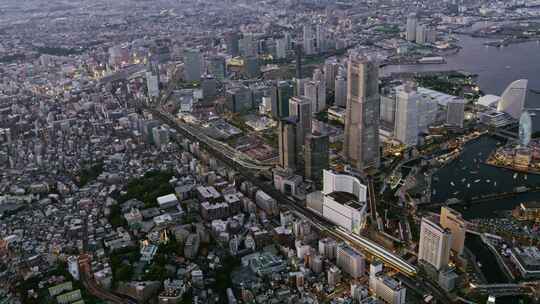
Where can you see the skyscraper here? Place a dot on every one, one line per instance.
(421, 32)
(309, 46)
(281, 48)
(406, 125)
(412, 22)
(455, 112)
(452, 220)
(217, 67)
(232, 41)
(315, 92)
(287, 143)
(298, 51)
(331, 69)
(316, 156)
(321, 38)
(300, 107)
(281, 93)
(192, 65)
(251, 66)
(361, 145)
(435, 244)
(340, 91)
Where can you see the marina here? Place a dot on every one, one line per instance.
(478, 189)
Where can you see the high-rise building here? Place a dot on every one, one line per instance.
(192, 65)
(217, 67)
(316, 156)
(452, 220)
(406, 125)
(300, 107)
(389, 289)
(334, 276)
(232, 42)
(388, 110)
(161, 136)
(316, 92)
(248, 46)
(281, 93)
(435, 244)
(328, 248)
(421, 34)
(321, 38)
(412, 22)
(287, 142)
(340, 91)
(152, 83)
(239, 99)
(350, 261)
(281, 48)
(331, 69)
(298, 53)
(251, 66)
(300, 86)
(308, 39)
(455, 113)
(209, 86)
(361, 145)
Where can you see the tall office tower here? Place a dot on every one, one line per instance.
(406, 125)
(455, 113)
(331, 69)
(421, 33)
(388, 110)
(281, 93)
(319, 77)
(300, 86)
(361, 145)
(209, 86)
(232, 42)
(287, 143)
(316, 157)
(248, 46)
(298, 51)
(350, 261)
(281, 48)
(217, 67)
(251, 66)
(452, 220)
(316, 92)
(340, 91)
(307, 37)
(152, 81)
(192, 65)
(300, 107)
(435, 244)
(239, 99)
(321, 38)
(412, 22)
